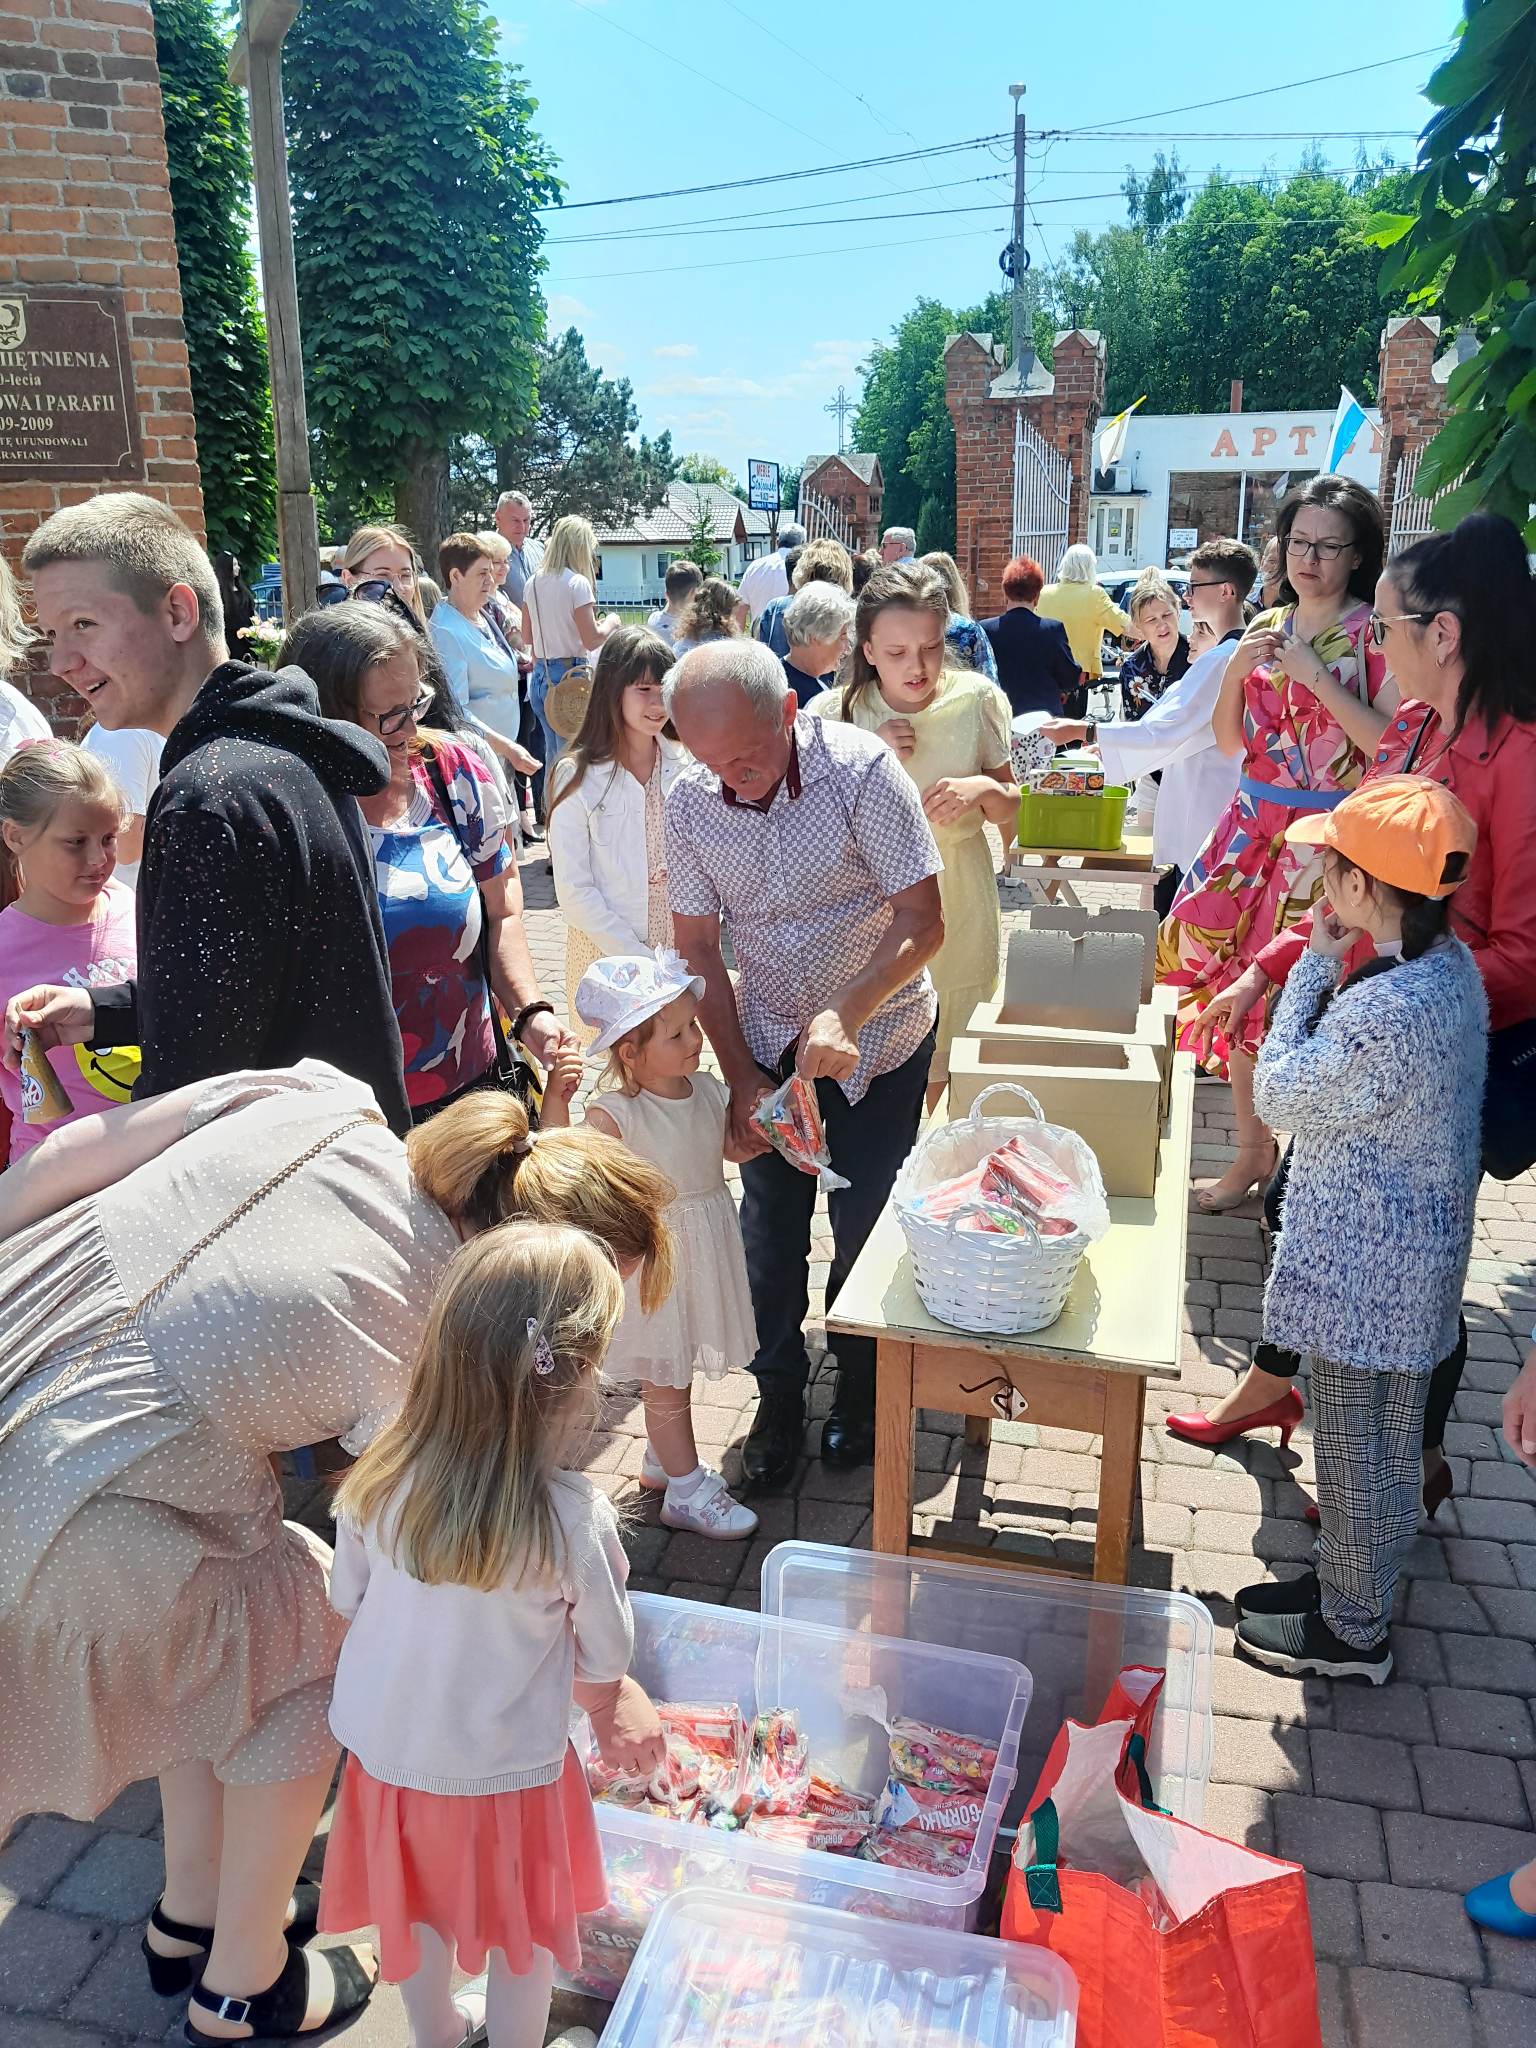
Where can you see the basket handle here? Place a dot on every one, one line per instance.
(952, 1223)
(1005, 1088)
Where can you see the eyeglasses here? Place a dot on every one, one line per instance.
(1379, 624)
(1319, 550)
(391, 722)
(1210, 583)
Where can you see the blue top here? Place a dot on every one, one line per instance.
(481, 670)
(1035, 667)
(967, 642)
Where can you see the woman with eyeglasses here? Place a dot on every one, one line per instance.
(1304, 701)
(1455, 620)
(448, 884)
(380, 558)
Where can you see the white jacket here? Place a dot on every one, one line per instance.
(597, 847)
(1199, 780)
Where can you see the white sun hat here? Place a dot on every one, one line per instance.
(616, 994)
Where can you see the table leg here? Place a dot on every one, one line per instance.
(894, 1425)
(1124, 1400)
(978, 1432)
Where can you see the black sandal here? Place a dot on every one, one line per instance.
(169, 1975)
(280, 2011)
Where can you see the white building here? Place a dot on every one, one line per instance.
(1187, 477)
(633, 559)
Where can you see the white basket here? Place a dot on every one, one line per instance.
(982, 1280)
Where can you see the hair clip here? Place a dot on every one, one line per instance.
(543, 1357)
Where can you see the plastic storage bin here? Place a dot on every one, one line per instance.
(843, 1685)
(1073, 1635)
(1094, 824)
(794, 1976)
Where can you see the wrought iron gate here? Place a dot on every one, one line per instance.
(1042, 496)
(823, 521)
(1412, 517)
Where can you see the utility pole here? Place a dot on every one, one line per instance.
(1024, 373)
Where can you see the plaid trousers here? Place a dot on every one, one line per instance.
(1367, 1437)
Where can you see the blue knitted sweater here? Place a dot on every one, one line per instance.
(1384, 1099)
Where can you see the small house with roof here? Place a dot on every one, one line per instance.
(841, 496)
(633, 557)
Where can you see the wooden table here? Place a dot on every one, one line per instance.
(1087, 1371)
(1054, 870)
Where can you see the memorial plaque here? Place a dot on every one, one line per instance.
(67, 408)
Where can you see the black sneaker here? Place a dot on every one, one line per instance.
(1299, 1643)
(1282, 1596)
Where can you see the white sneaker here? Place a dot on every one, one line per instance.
(653, 1474)
(709, 1510)
(573, 2037)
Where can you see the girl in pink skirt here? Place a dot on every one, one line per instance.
(485, 1585)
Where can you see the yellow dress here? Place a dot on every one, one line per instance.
(965, 730)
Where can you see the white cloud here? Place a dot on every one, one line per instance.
(718, 421)
(564, 311)
(829, 363)
(679, 350)
(607, 353)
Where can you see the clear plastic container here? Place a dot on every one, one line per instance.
(844, 1686)
(1073, 1635)
(709, 1975)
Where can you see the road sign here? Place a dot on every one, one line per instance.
(763, 486)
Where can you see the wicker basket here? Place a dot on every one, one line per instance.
(975, 1279)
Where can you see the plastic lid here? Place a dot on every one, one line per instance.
(722, 1970)
(1072, 1634)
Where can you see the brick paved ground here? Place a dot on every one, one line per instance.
(1394, 1800)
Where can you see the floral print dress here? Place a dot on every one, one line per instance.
(1248, 884)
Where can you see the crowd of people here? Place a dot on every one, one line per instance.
(265, 933)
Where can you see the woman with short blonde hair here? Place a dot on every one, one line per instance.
(560, 621)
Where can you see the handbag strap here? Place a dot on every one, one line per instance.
(57, 1388)
(505, 1058)
(1042, 1877)
(1418, 741)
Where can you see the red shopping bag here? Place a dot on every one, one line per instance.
(1177, 1938)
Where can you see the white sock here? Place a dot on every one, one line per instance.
(687, 1486)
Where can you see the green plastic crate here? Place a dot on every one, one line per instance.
(1096, 824)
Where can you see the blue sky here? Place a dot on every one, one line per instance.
(736, 337)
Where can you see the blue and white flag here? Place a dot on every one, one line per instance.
(1347, 422)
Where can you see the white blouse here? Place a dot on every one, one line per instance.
(597, 848)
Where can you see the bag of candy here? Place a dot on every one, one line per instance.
(837, 1801)
(929, 1811)
(791, 1122)
(939, 1759)
(911, 1849)
(809, 1831)
(778, 1773)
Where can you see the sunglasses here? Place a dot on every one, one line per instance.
(379, 590)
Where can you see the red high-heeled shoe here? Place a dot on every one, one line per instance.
(1283, 1414)
(1437, 1492)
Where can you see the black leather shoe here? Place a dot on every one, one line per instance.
(848, 1434)
(773, 1442)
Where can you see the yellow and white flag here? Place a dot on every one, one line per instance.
(1112, 436)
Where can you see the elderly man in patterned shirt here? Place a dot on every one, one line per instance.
(806, 840)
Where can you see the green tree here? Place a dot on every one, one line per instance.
(789, 485)
(417, 180)
(707, 469)
(700, 546)
(210, 176)
(1157, 200)
(1461, 241)
(578, 451)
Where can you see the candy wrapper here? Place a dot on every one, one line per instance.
(827, 1797)
(929, 1811)
(821, 1831)
(43, 1100)
(939, 1759)
(779, 1766)
(791, 1122)
(911, 1849)
(702, 1776)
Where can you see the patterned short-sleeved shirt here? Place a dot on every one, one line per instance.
(430, 900)
(803, 889)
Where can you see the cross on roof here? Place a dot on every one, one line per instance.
(842, 405)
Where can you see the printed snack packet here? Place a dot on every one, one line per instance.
(809, 1831)
(1019, 1175)
(791, 1122)
(929, 1811)
(43, 1100)
(909, 1849)
(838, 1802)
(939, 1759)
(778, 1772)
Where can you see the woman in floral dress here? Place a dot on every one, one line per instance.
(1304, 700)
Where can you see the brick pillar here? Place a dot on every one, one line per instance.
(1412, 399)
(85, 202)
(1064, 413)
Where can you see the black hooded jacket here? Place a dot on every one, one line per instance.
(260, 941)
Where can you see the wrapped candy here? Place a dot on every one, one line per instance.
(929, 1810)
(821, 1831)
(1018, 1173)
(706, 1746)
(910, 1849)
(779, 1766)
(837, 1802)
(939, 1758)
(791, 1122)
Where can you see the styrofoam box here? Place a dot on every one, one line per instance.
(797, 1976)
(1072, 1634)
(843, 1684)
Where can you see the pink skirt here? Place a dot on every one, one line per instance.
(507, 1870)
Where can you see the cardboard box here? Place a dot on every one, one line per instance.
(1155, 1028)
(1079, 921)
(1110, 1094)
(1089, 982)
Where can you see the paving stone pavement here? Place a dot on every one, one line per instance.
(1394, 1800)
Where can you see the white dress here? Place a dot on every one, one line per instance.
(707, 1324)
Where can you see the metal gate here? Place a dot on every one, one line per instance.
(1042, 496)
(1412, 517)
(823, 521)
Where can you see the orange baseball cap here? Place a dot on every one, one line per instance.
(1401, 830)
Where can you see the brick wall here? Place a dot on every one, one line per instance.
(85, 199)
(1412, 401)
(1065, 417)
(846, 491)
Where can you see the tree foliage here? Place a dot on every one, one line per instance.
(576, 452)
(1462, 243)
(697, 468)
(417, 177)
(700, 546)
(210, 175)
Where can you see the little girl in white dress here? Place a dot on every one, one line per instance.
(644, 1011)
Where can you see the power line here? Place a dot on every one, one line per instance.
(790, 256)
(890, 127)
(809, 206)
(1262, 92)
(863, 163)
